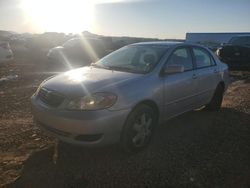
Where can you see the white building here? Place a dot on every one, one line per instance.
(212, 37)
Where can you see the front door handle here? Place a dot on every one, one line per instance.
(194, 76)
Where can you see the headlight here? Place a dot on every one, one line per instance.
(96, 101)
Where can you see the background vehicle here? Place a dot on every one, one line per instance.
(123, 96)
(76, 52)
(5, 52)
(213, 46)
(236, 53)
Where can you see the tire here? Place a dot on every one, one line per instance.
(216, 101)
(138, 129)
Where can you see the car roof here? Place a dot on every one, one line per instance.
(161, 43)
(168, 44)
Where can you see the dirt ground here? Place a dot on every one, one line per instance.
(197, 149)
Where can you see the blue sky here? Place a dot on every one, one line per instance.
(167, 18)
(150, 18)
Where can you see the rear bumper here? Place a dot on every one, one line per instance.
(87, 128)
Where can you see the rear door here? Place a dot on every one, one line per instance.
(179, 88)
(206, 73)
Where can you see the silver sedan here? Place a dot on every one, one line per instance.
(123, 96)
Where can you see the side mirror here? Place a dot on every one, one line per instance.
(173, 69)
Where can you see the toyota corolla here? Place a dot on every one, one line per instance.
(123, 96)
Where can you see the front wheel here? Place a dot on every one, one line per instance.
(139, 128)
(215, 103)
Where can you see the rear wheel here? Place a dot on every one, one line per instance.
(139, 128)
(216, 101)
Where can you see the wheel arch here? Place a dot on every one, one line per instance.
(221, 84)
(151, 104)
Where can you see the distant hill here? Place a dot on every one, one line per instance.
(51, 39)
(115, 42)
(4, 35)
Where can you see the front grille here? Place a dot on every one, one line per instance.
(55, 131)
(50, 98)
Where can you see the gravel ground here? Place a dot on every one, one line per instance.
(197, 149)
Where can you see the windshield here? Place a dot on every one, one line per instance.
(240, 40)
(135, 58)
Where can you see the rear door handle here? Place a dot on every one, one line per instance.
(194, 76)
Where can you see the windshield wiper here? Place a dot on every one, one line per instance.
(126, 69)
(99, 66)
(117, 68)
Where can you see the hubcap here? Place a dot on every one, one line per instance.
(143, 130)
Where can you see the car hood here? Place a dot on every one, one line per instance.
(87, 80)
(55, 50)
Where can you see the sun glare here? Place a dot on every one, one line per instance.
(60, 15)
(69, 16)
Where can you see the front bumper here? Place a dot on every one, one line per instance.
(88, 128)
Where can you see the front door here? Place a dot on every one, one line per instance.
(179, 88)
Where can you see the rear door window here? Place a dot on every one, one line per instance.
(202, 58)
